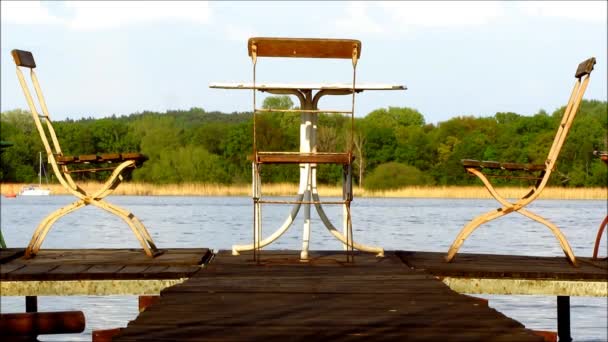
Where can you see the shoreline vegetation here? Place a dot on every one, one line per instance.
(289, 189)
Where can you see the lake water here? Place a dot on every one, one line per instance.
(404, 224)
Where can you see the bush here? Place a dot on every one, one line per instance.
(396, 175)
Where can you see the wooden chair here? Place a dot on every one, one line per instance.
(63, 167)
(600, 231)
(478, 168)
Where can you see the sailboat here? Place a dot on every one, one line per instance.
(36, 190)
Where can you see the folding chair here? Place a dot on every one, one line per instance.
(308, 158)
(118, 163)
(598, 239)
(478, 168)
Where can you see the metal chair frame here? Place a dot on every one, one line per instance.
(598, 239)
(62, 172)
(582, 79)
(308, 157)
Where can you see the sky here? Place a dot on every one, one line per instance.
(97, 59)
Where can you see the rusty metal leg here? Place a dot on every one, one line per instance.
(558, 234)
(598, 238)
(236, 249)
(45, 226)
(470, 227)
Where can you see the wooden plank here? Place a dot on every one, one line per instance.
(104, 269)
(170, 257)
(28, 272)
(504, 266)
(99, 264)
(70, 269)
(372, 299)
(10, 268)
(8, 254)
(133, 269)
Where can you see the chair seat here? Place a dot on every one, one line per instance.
(298, 158)
(476, 164)
(102, 158)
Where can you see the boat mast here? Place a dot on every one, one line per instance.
(40, 169)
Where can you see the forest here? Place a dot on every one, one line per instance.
(394, 147)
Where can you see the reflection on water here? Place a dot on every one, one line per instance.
(405, 224)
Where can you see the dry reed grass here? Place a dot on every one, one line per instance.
(198, 189)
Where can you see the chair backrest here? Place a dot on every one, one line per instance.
(49, 139)
(582, 75)
(304, 48)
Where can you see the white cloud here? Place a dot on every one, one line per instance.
(358, 20)
(402, 16)
(93, 15)
(443, 13)
(26, 13)
(239, 33)
(595, 11)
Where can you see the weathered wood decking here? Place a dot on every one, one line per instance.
(514, 274)
(284, 299)
(96, 271)
(401, 296)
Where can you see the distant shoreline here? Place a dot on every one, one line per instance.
(287, 189)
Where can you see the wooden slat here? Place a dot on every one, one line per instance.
(304, 47)
(101, 158)
(87, 158)
(297, 158)
(471, 163)
(23, 58)
(585, 67)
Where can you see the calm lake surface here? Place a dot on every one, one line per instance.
(404, 224)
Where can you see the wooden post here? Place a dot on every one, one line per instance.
(563, 319)
(31, 304)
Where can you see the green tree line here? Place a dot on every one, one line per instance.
(393, 146)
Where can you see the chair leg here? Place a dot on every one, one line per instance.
(598, 238)
(338, 235)
(470, 228)
(45, 226)
(136, 226)
(558, 234)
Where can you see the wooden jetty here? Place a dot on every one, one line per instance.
(65, 272)
(205, 296)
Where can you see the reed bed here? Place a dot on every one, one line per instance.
(287, 189)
